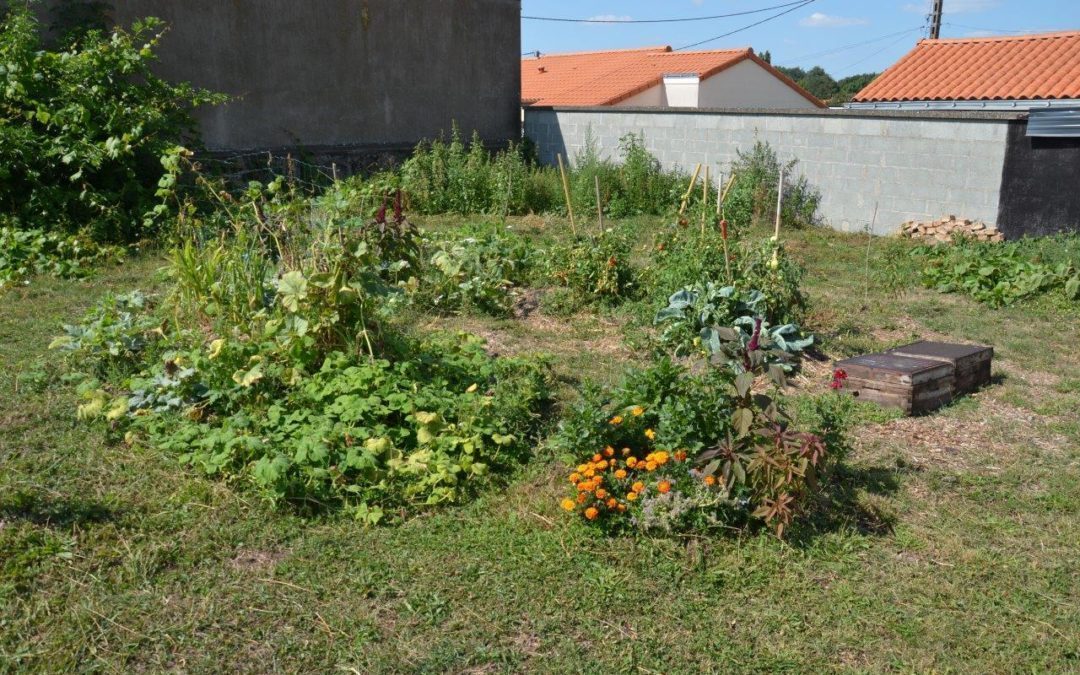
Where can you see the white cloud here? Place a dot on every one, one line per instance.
(954, 6)
(820, 20)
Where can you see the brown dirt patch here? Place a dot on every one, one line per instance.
(253, 559)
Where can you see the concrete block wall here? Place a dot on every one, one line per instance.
(914, 166)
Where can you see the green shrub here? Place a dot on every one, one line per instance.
(996, 274)
(83, 130)
(752, 198)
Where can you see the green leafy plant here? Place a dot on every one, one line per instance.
(994, 273)
(476, 267)
(721, 321)
(26, 253)
(753, 197)
(595, 269)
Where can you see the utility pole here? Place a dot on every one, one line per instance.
(935, 19)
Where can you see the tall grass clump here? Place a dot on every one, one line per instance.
(752, 199)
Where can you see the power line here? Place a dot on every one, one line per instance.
(844, 48)
(840, 71)
(802, 4)
(987, 30)
(680, 20)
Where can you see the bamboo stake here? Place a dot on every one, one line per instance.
(869, 241)
(719, 192)
(705, 198)
(689, 191)
(730, 184)
(566, 193)
(599, 206)
(779, 202)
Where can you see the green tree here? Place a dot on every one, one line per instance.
(819, 83)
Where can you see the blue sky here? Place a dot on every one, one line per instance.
(843, 36)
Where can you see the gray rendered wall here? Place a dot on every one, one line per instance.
(318, 73)
(913, 165)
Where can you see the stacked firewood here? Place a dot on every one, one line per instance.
(943, 229)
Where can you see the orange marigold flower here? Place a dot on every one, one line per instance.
(650, 466)
(612, 503)
(601, 493)
(575, 478)
(638, 411)
(620, 474)
(590, 472)
(631, 462)
(639, 487)
(582, 498)
(585, 486)
(591, 513)
(582, 468)
(609, 451)
(661, 458)
(650, 434)
(612, 463)
(597, 457)
(568, 504)
(631, 496)
(625, 452)
(622, 508)
(710, 480)
(663, 487)
(680, 455)
(617, 420)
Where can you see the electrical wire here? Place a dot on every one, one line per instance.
(680, 20)
(840, 71)
(844, 48)
(987, 30)
(802, 4)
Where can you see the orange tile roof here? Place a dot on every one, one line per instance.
(608, 77)
(1043, 66)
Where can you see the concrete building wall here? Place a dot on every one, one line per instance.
(912, 165)
(349, 73)
(748, 85)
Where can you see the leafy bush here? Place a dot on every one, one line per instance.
(595, 269)
(443, 177)
(26, 253)
(475, 267)
(669, 451)
(752, 198)
(994, 273)
(276, 359)
(83, 131)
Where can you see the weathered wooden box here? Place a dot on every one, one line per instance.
(914, 385)
(971, 363)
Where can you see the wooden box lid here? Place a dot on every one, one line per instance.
(943, 351)
(894, 368)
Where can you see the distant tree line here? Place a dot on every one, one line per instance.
(819, 83)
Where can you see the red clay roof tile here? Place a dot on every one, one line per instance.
(1042, 66)
(608, 77)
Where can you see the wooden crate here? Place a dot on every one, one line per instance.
(914, 385)
(971, 363)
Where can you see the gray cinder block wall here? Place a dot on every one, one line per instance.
(914, 166)
(341, 73)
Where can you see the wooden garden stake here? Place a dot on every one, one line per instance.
(779, 202)
(566, 193)
(689, 191)
(869, 241)
(333, 168)
(599, 206)
(704, 198)
(719, 192)
(730, 184)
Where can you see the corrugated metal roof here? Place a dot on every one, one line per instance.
(1054, 123)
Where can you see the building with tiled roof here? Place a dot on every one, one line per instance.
(1021, 72)
(659, 77)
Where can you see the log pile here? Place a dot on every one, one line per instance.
(943, 229)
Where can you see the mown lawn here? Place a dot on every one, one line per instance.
(954, 545)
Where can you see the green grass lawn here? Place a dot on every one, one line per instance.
(954, 546)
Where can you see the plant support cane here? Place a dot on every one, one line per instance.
(599, 206)
(704, 199)
(775, 263)
(566, 194)
(720, 210)
(689, 191)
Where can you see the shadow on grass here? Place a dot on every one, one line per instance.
(62, 513)
(851, 502)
